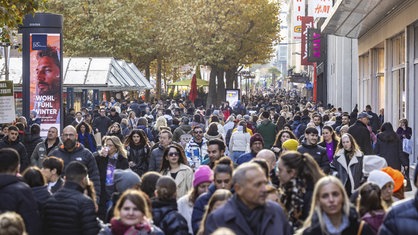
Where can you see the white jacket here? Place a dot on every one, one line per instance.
(240, 141)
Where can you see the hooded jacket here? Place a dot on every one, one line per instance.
(319, 153)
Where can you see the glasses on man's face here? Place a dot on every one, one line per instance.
(173, 154)
(68, 135)
(198, 132)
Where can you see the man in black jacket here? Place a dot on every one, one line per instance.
(72, 150)
(69, 211)
(309, 145)
(11, 140)
(15, 194)
(102, 123)
(361, 134)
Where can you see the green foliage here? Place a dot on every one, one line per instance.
(12, 13)
(224, 34)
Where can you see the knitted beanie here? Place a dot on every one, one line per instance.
(125, 179)
(379, 177)
(202, 174)
(256, 137)
(397, 177)
(290, 144)
(373, 162)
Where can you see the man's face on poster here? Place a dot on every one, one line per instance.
(48, 75)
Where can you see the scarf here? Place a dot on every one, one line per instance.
(293, 201)
(330, 227)
(118, 228)
(252, 217)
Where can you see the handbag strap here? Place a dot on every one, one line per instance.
(360, 229)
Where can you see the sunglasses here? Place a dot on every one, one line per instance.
(172, 154)
(198, 132)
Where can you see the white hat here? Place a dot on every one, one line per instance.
(373, 162)
(380, 178)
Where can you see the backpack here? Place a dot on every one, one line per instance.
(185, 137)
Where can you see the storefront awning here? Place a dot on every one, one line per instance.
(354, 18)
(106, 74)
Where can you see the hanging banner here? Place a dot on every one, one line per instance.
(319, 8)
(45, 79)
(70, 98)
(298, 12)
(7, 102)
(307, 22)
(316, 46)
(84, 97)
(95, 97)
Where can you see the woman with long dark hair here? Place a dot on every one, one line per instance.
(85, 136)
(175, 165)
(138, 147)
(329, 141)
(297, 173)
(281, 137)
(389, 146)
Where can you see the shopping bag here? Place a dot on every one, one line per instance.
(98, 138)
(406, 146)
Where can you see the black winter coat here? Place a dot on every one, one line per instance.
(352, 229)
(15, 195)
(361, 134)
(70, 212)
(139, 155)
(401, 219)
(390, 150)
(41, 195)
(319, 153)
(84, 156)
(20, 148)
(30, 143)
(168, 219)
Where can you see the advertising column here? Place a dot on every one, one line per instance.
(42, 69)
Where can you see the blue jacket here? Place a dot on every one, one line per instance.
(402, 218)
(274, 220)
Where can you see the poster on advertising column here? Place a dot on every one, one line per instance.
(45, 79)
(7, 102)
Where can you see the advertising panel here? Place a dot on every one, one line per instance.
(307, 22)
(319, 8)
(316, 45)
(298, 12)
(232, 96)
(45, 79)
(7, 102)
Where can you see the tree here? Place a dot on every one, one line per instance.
(12, 13)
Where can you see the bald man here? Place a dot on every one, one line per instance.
(72, 150)
(270, 158)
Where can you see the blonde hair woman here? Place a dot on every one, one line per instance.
(160, 123)
(331, 212)
(112, 156)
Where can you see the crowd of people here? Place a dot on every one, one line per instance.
(270, 164)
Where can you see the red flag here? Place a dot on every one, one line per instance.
(193, 89)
